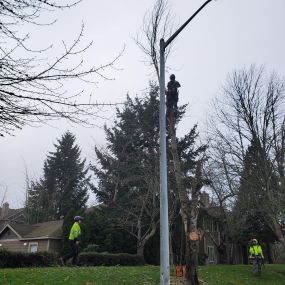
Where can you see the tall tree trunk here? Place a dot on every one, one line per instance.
(189, 210)
(269, 253)
(171, 254)
(140, 249)
(228, 249)
(142, 240)
(275, 226)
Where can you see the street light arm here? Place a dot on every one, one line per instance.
(185, 24)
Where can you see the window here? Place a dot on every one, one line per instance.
(211, 254)
(33, 247)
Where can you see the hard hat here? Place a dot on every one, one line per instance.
(78, 218)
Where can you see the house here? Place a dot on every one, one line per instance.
(212, 243)
(210, 227)
(32, 238)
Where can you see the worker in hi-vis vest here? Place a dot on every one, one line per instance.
(74, 239)
(255, 249)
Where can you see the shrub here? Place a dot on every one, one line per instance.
(110, 259)
(202, 257)
(92, 248)
(19, 259)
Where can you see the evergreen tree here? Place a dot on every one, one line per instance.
(100, 230)
(128, 173)
(253, 210)
(128, 170)
(64, 184)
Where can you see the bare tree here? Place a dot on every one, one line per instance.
(32, 88)
(224, 183)
(4, 194)
(156, 25)
(250, 108)
(140, 219)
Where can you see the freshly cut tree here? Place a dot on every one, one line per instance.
(64, 185)
(188, 176)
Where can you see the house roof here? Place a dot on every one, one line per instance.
(211, 211)
(21, 229)
(9, 214)
(47, 229)
(2, 224)
(52, 229)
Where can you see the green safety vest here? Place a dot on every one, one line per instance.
(255, 249)
(75, 231)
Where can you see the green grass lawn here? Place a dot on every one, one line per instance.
(242, 275)
(143, 275)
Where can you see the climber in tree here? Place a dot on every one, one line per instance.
(172, 94)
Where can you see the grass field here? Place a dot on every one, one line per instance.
(144, 275)
(242, 275)
(81, 276)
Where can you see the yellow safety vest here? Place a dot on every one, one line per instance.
(256, 250)
(75, 231)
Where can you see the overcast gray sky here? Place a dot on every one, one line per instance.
(226, 35)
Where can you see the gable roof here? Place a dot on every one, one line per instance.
(52, 229)
(47, 229)
(7, 213)
(20, 229)
(2, 224)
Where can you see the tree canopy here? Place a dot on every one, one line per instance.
(247, 147)
(64, 184)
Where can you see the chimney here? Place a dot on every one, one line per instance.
(4, 210)
(205, 199)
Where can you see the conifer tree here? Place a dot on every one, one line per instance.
(64, 185)
(128, 173)
(128, 169)
(253, 209)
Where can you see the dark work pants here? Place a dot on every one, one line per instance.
(171, 104)
(171, 100)
(74, 250)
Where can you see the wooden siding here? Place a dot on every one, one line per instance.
(18, 246)
(55, 245)
(14, 246)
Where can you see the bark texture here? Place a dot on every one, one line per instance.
(189, 209)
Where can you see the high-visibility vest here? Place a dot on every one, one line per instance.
(75, 232)
(255, 249)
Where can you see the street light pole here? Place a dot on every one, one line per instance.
(164, 226)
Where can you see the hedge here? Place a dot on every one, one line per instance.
(110, 259)
(92, 248)
(19, 259)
